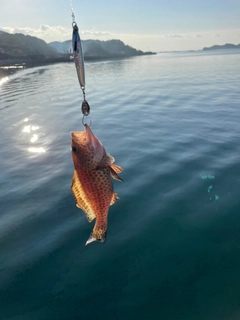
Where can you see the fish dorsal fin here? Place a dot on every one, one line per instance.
(81, 199)
(114, 174)
(115, 197)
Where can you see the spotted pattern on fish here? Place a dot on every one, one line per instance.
(91, 184)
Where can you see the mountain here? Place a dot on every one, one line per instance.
(62, 47)
(18, 45)
(225, 46)
(99, 49)
(27, 50)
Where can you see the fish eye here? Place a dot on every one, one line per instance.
(74, 149)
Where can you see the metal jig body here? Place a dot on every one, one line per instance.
(79, 64)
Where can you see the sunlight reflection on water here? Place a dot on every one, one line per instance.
(34, 138)
(29, 129)
(3, 80)
(37, 150)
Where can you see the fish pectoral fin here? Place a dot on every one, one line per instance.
(115, 197)
(106, 161)
(111, 158)
(116, 168)
(80, 197)
(114, 174)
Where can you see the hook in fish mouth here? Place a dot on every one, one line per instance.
(85, 124)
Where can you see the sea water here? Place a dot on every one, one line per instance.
(171, 121)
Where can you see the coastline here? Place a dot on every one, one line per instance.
(11, 66)
(7, 71)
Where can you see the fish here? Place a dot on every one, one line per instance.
(91, 182)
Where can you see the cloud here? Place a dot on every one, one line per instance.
(97, 33)
(7, 29)
(44, 27)
(43, 32)
(174, 35)
(198, 35)
(217, 35)
(53, 33)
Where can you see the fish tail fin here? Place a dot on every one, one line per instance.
(97, 236)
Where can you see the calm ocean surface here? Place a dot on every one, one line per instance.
(173, 245)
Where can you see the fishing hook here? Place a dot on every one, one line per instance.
(86, 123)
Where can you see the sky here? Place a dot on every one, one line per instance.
(155, 25)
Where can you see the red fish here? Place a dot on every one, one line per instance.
(91, 183)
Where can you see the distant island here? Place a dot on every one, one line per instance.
(18, 49)
(97, 49)
(225, 46)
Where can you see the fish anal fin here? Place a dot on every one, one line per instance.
(115, 197)
(81, 199)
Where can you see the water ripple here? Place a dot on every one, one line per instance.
(171, 121)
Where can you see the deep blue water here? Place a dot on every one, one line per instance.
(173, 245)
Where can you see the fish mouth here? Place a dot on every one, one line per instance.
(84, 136)
(88, 133)
(87, 139)
(92, 140)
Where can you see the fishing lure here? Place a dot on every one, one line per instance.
(79, 63)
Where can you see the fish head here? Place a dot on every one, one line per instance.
(87, 149)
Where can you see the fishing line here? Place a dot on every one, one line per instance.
(73, 16)
(71, 6)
